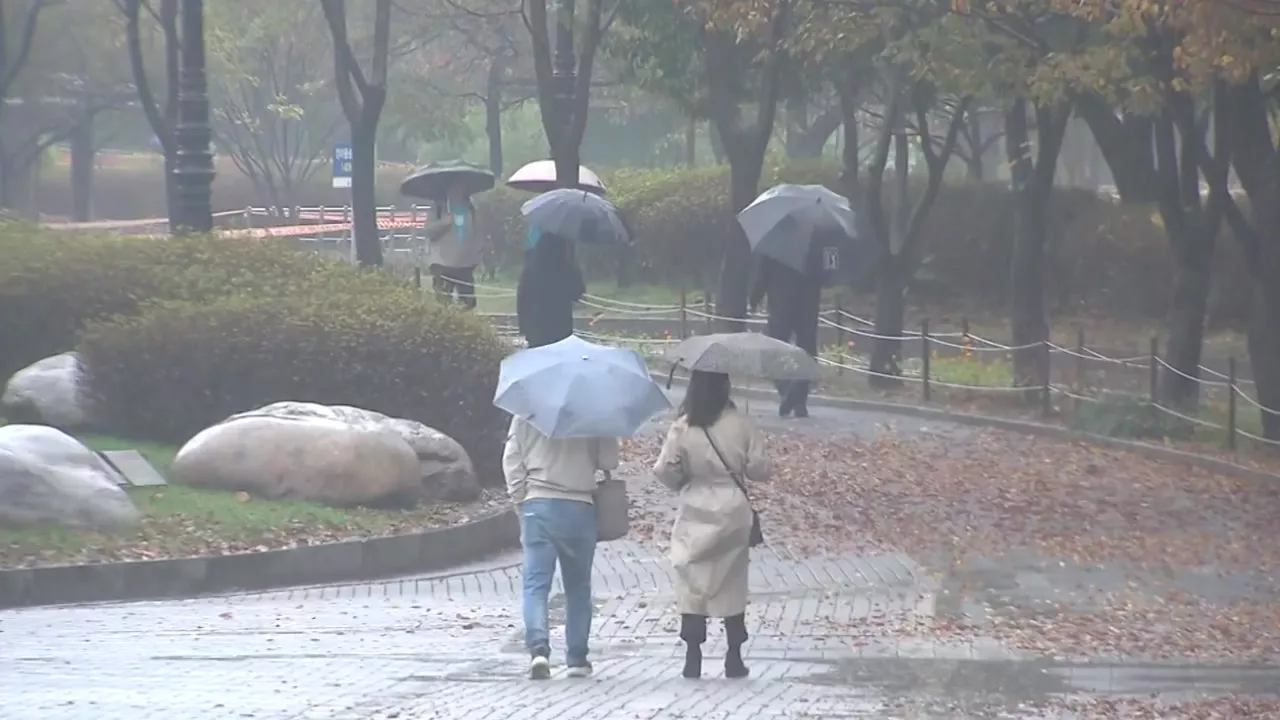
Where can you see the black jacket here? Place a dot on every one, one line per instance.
(550, 283)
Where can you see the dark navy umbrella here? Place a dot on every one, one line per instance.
(577, 215)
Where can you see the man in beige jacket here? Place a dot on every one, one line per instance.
(552, 481)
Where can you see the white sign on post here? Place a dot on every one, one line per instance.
(342, 165)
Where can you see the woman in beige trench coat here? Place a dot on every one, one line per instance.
(709, 543)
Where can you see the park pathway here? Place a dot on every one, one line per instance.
(833, 636)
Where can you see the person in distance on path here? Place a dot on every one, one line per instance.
(709, 444)
(453, 249)
(550, 283)
(552, 482)
(795, 300)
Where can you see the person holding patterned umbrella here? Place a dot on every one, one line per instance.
(454, 247)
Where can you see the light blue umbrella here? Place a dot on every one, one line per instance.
(577, 215)
(576, 389)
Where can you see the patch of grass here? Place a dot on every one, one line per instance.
(183, 521)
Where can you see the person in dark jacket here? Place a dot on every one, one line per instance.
(795, 300)
(550, 283)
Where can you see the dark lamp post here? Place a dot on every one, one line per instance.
(193, 168)
(564, 71)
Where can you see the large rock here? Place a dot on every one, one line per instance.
(447, 472)
(47, 391)
(47, 476)
(316, 459)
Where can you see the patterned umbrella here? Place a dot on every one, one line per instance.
(433, 180)
(745, 353)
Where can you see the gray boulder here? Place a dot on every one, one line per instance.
(447, 472)
(47, 391)
(315, 459)
(47, 476)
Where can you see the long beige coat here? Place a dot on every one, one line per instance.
(713, 523)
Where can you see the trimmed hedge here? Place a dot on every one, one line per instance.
(178, 367)
(52, 284)
(178, 333)
(1104, 257)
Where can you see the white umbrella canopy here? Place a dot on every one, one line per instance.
(540, 176)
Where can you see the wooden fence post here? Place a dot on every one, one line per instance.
(1046, 380)
(925, 358)
(684, 311)
(1231, 403)
(840, 341)
(1153, 370)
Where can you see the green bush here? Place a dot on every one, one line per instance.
(178, 367)
(52, 284)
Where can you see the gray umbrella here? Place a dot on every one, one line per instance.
(577, 215)
(745, 353)
(781, 223)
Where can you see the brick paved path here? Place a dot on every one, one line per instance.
(832, 637)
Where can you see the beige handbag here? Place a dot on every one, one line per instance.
(611, 504)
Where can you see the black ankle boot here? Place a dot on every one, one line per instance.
(733, 665)
(692, 662)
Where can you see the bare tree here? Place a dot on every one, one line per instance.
(272, 111)
(564, 134)
(162, 118)
(13, 59)
(362, 97)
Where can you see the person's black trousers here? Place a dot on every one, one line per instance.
(459, 279)
(693, 629)
(805, 328)
(798, 320)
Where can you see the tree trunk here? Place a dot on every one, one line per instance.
(1186, 323)
(493, 117)
(1257, 164)
(745, 167)
(82, 157)
(691, 143)
(364, 203)
(811, 143)
(974, 168)
(1126, 146)
(170, 192)
(891, 311)
(1264, 341)
(850, 151)
(717, 145)
(1029, 322)
(1032, 188)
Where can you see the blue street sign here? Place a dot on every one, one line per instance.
(342, 165)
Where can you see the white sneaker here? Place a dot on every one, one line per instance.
(579, 671)
(539, 668)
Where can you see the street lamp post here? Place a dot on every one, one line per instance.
(193, 168)
(564, 72)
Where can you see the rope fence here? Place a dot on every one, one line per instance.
(685, 318)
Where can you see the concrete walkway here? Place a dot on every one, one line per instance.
(842, 636)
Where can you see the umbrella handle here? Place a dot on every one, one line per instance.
(671, 375)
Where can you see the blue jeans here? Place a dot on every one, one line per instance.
(563, 530)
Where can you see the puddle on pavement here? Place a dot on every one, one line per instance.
(1028, 681)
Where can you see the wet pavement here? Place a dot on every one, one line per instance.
(832, 636)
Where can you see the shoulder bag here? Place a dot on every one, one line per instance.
(757, 535)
